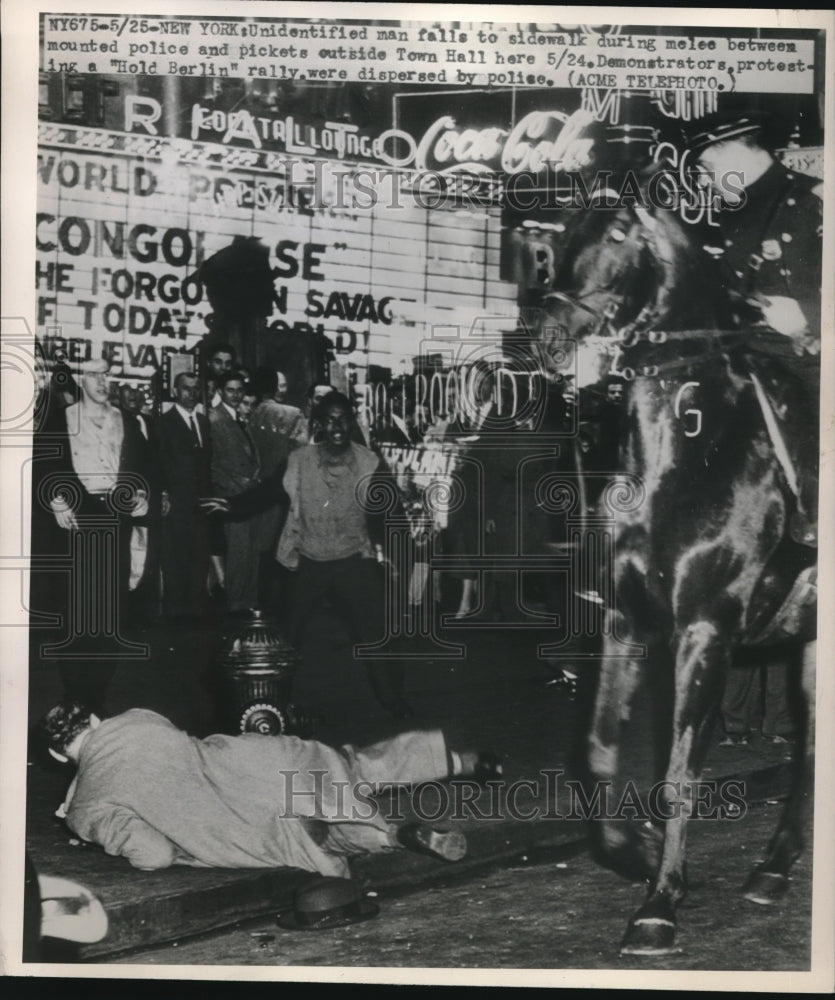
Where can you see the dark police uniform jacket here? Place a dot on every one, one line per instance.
(773, 246)
(773, 243)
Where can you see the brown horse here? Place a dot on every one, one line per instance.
(704, 564)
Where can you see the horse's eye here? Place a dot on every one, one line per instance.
(618, 235)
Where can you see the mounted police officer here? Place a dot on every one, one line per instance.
(769, 249)
(770, 241)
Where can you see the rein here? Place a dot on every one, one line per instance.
(650, 358)
(639, 338)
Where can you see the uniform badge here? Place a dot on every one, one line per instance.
(771, 250)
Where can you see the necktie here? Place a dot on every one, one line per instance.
(193, 424)
(245, 431)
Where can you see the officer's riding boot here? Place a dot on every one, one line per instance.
(803, 443)
(803, 521)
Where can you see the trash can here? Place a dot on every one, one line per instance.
(256, 668)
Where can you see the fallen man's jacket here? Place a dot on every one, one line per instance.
(151, 793)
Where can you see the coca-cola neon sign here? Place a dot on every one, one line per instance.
(445, 148)
(539, 140)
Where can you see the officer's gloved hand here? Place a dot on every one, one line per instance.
(785, 316)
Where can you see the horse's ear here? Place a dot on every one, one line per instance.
(603, 198)
(646, 218)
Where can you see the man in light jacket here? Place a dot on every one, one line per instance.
(149, 792)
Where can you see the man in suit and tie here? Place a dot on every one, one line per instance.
(235, 469)
(185, 456)
(146, 537)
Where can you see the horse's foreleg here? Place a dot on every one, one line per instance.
(629, 851)
(770, 880)
(701, 661)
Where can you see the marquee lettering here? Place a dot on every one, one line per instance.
(117, 176)
(75, 234)
(354, 308)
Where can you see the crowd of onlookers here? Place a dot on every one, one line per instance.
(211, 462)
(217, 437)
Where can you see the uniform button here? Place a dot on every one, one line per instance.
(738, 274)
(790, 201)
(786, 237)
(771, 250)
(789, 176)
(729, 243)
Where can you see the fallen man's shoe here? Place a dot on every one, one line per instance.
(481, 766)
(488, 767)
(448, 845)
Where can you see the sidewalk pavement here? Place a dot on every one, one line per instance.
(496, 697)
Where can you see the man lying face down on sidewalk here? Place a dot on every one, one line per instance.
(151, 793)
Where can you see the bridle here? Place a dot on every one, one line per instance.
(606, 316)
(640, 342)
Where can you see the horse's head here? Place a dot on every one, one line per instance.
(627, 269)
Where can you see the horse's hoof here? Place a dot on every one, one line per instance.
(649, 936)
(766, 888)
